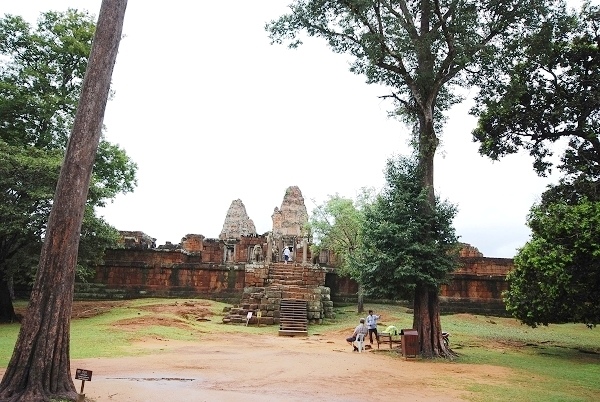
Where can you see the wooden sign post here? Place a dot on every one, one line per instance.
(83, 375)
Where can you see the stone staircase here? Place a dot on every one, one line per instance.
(285, 274)
(97, 291)
(293, 321)
(293, 307)
(291, 297)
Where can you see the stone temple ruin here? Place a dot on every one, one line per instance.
(240, 264)
(246, 269)
(288, 294)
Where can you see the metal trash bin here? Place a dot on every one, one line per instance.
(410, 342)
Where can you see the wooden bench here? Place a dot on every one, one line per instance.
(384, 337)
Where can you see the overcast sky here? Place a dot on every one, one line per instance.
(212, 112)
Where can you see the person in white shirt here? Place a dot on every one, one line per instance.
(360, 329)
(372, 326)
(286, 254)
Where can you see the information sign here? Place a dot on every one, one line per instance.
(85, 375)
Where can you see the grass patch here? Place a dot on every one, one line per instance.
(8, 338)
(554, 363)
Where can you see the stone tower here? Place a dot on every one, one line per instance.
(290, 220)
(237, 223)
(289, 225)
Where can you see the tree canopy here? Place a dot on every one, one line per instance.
(405, 243)
(335, 225)
(41, 73)
(544, 99)
(421, 50)
(42, 76)
(27, 180)
(556, 278)
(548, 91)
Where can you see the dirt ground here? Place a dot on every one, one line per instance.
(269, 368)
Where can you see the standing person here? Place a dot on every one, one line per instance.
(372, 326)
(286, 254)
(360, 329)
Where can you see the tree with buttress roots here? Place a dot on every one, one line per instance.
(39, 369)
(423, 50)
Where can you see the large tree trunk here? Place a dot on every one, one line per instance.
(7, 311)
(9, 249)
(39, 368)
(360, 303)
(426, 319)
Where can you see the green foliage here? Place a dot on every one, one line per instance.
(113, 173)
(557, 273)
(335, 226)
(42, 76)
(27, 179)
(96, 236)
(547, 91)
(405, 242)
(41, 73)
(571, 191)
(417, 49)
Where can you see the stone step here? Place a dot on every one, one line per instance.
(284, 275)
(287, 282)
(97, 291)
(288, 332)
(293, 317)
(97, 296)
